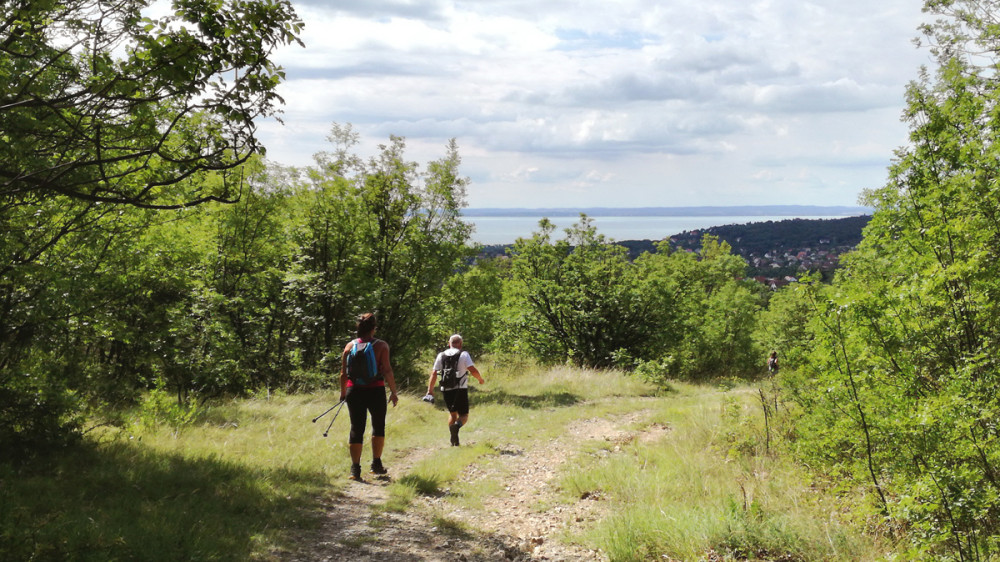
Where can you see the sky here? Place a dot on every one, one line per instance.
(602, 103)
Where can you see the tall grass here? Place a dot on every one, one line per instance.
(701, 490)
(241, 480)
(227, 486)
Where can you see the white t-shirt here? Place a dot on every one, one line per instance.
(464, 362)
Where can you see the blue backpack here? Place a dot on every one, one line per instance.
(361, 366)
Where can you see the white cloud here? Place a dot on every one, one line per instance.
(681, 103)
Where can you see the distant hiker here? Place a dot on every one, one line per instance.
(772, 363)
(364, 373)
(454, 366)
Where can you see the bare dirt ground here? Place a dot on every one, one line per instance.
(521, 522)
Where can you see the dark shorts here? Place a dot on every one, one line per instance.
(361, 401)
(457, 400)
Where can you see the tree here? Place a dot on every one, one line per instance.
(244, 283)
(470, 304)
(576, 299)
(325, 279)
(708, 313)
(102, 112)
(784, 325)
(381, 236)
(904, 373)
(102, 104)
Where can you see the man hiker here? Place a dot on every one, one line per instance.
(364, 373)
(454, 366)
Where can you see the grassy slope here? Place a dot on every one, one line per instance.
(241, 479)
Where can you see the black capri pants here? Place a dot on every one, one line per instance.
(360, 401)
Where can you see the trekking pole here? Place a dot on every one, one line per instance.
(327, 432)
(328, 411)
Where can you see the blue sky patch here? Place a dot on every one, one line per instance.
(577, 39)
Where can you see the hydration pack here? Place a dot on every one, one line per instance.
(449, 371)
(361, 366)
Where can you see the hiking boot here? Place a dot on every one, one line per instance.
(356, 472)
(454, 434)
(377, 467)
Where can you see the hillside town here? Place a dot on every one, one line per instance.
(788, 265)
(779, 267)
(778, 253)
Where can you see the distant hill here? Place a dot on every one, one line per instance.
(772, 236)
(772, 249)
(706, 211)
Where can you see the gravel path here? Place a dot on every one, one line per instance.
(509, 526)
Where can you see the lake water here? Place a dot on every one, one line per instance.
(505, 230)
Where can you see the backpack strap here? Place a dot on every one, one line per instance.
(372, 360)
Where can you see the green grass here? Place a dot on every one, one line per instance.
(693, 492)
(125, 501)
(227, 487)
(244, 479)
(449, 526)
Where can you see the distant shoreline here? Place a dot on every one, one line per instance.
(705, 211)
(506, 229)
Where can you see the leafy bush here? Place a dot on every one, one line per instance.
(36, 415)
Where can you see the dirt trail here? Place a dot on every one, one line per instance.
(510, 525)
